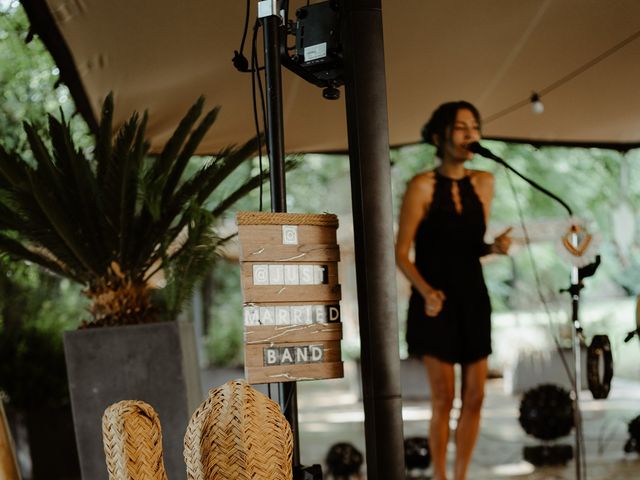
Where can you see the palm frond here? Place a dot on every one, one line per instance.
(187, 152)
(109, 224)
(116, 175)
(43, 157)
(192, 262)
(58, 219)
(13, 170)
(198, 190)
(9, 219)
(80, 185)
(129, 192)
(36, 228)
(16, 250)
(103, 141)
(249, 185)
(228, 164)
(163, 164)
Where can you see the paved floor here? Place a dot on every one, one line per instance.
(330, 412)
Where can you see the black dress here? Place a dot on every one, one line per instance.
(448, 247)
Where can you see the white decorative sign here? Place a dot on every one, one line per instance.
(289, 274)
(261, 275)
(293, 355)
(291, 314)
(289, 234)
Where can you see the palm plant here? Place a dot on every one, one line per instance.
(115, 222)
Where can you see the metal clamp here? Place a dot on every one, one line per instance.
(267, 8)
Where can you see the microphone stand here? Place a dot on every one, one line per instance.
(574, 290)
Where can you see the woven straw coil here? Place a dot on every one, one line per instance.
(278, 218)
(132, 440)
(236, 434)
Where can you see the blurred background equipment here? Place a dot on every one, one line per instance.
(344, 461)
(599, 358)
(546, 413)
(633, 444)
(417, 456)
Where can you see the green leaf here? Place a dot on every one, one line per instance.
(129, 192)
(16, 250)
(13, 170)
(103, 140)
(80, 185)
(160, 170)
(230, 162)
(187, 152)
(59, 220)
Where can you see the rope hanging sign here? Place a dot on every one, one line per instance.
(289, 273)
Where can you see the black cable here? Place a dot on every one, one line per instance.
(577, 413)
(536, 275)
(255, 72)
(246, 26)
(239, 60)
(536, 185)
(262, 100)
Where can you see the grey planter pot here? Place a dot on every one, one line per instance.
(156, 363)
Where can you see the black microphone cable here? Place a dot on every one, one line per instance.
(536, 275)
(538, 282)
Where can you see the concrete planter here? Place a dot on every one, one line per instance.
(155, 363)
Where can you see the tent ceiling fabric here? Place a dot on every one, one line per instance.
(161, 55)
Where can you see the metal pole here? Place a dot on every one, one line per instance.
(366, 104)
(576, 333)
(288, 395)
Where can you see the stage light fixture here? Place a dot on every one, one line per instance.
(318, 54)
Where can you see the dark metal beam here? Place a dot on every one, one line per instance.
(366, 103)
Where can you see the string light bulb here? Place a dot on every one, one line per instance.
(537, 106)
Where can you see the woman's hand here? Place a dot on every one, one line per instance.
(433, 301)
(502, 242)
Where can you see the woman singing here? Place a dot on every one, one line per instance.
(444, 215)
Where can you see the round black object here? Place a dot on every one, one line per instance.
(331, 93)
(600, 348)
(416, 453)
(633, 444)
(343, 459)
(548, 454)
(546, 412)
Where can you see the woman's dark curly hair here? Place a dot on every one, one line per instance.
(441, 121)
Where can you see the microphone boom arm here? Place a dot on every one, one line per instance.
(480, 150)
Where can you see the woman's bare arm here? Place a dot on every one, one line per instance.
(415, 205)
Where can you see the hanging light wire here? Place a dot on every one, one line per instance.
(570, 76)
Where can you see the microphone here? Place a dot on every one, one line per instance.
(475, 147)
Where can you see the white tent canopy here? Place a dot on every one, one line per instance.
(581, 56)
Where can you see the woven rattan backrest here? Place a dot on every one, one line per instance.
(132, 440)
(236, 434)
(8, 465)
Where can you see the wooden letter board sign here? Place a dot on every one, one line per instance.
(289, 272)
